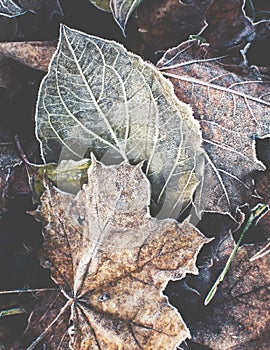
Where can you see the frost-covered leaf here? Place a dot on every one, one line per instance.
(121, 9)
(227, 25)
(239, 316)
(111, 260)
(100, 98)
(164, 24)
(232, 110)
(35, 54)
(11, 8)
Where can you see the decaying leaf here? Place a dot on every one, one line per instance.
(111, 261)
(36, 54)
(227, 25)
(165, 23)
(13, 179)
(232, 110)
(104, 5)
(12, 8)
(121, 9)
(98, 97)
(239, 315)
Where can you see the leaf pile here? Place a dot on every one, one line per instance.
(109, 258)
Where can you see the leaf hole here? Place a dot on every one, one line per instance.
(104, 297)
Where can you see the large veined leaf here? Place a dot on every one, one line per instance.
(121, 9)
(100, 98)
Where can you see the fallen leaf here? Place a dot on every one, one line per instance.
(111, 261)
(232, 110)
(52, 7)
(13, 179)
(104, 5)
(165, 23)
(35, 54)
(239, 317)
(121, 9)
(227, 25)
(101, 98)
(11, 8)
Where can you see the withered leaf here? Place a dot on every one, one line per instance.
(111, 261)
(35, 54)
(232, 110)
(13, 179)
(164, 24)
(68, 176)
(239, 315)
(12, 8)
(227, 25)
(101, 98)
(121, 9)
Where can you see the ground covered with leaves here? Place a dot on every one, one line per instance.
(134, 147)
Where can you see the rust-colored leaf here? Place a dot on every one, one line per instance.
(232, 110)
(227, 25)
(111, 261)
(165, 23)
(35, 54)
(239, 317)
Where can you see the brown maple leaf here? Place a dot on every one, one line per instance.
(111, 260)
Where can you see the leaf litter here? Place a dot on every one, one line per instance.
(255, 342)
(239, 317)
(111, 261)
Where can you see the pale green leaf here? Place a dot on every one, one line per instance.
(102, 4)
(100, 98)
(121, 9)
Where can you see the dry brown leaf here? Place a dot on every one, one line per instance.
(111, 261)
(227, 25)
(233, 110)
(239, 316)
(35, 54)
(165, 23)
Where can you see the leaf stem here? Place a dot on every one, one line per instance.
(255, 214)
(13, 311)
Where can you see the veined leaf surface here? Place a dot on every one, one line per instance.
(100, 98)
(10, 9)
